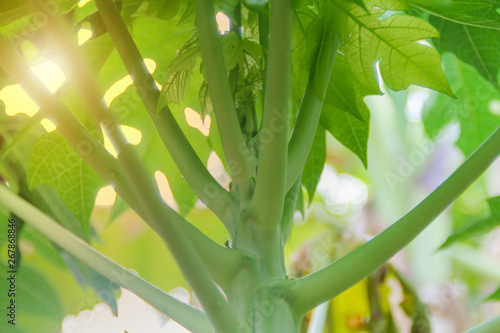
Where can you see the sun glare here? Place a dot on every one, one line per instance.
(16, 100)
(133, 136)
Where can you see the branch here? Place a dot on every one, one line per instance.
(269, 196)
(240, 160)
(210, 192)
(217, 258)
(186, 315)
(162, 218)
(308, 292)
(307, 121)
(492, 326)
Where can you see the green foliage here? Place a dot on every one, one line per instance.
(476, 13)
(478, 227)
(55, 163)
(345, 114)
(393, 41)
(315, 163)
(471, 109)
(475, 46)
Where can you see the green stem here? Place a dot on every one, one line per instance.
(164, 220)
(221, 261)
(161, 218)
(308, 292)
(210, 192)
(307, 122)
(268, 200)
(492, 326)
(186, 315)
(240, 160)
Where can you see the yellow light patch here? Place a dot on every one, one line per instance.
(106, 196)
(165, 190)
(84, 35)
(193, 119)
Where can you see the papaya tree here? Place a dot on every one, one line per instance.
(283, 75)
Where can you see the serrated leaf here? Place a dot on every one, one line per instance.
(205, 101)
(477, 13)
(175, 87)
(475, 46)
(54, 162)
(179, 72)
(393, 42)
(185, 59)
(470, 109)
(478, 227)
(315, 163)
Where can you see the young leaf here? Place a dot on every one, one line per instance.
(479, 227)
(471, 109)
(205, 101)
(475, 46)
(179, 72)
(315, 163)
(175, 87)
(393, 42)
(54, 162)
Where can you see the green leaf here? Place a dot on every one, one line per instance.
(475, 46)
(324, 28)
(341, 92)
(413, 306)
(188, 14)
(471, 109)
(179, 71)
(175, 87)
(35, 297)
(232, 49)
(389, 4)
(315, 163)
(478, 227)
(393, 42)
(205, 101)
(495, 296)
(54, 162)
(476, 13)
(167, 9)
(344, 113)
